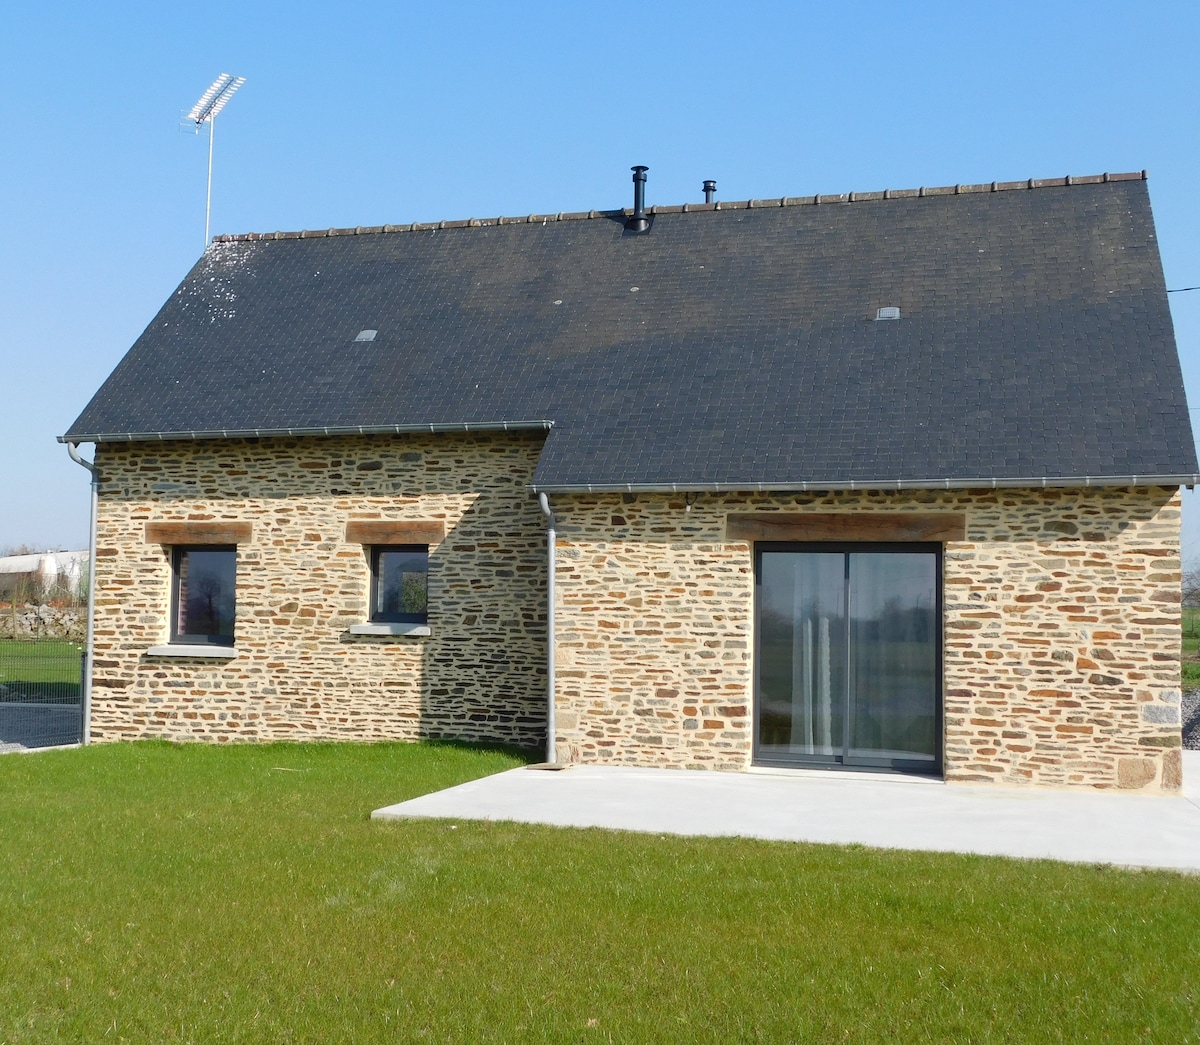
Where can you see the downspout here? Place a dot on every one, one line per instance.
(551, 540)
(86, 687)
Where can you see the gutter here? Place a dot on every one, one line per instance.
(805, 486)
(85, 688)
(268, 433)
(551, 542)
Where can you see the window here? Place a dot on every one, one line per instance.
(202, 600)
(397, 551)
(399, 588)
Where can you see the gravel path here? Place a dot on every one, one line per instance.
(1191, 720)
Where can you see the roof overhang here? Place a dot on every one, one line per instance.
(271, 433)
(807, 486)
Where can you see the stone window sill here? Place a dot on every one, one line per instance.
(185, 649)
(389, 629)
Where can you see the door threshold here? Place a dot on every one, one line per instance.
(849, 774)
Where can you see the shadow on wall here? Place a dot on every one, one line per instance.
(484, 664)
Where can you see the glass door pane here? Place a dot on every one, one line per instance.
(802, 654)
(893, 657)
(848, 656)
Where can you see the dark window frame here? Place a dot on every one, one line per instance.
(195, 639)
(399, 617)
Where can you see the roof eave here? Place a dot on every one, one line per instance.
(806, 486)
(270, 433)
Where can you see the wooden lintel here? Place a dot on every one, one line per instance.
(219, 531)
(848, 526)
(388, 531)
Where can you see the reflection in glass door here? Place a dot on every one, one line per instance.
(848, 655)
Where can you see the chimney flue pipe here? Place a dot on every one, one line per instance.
(710, 190)
(638, 222)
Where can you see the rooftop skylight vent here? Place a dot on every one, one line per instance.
(366, 335)
(887, 312)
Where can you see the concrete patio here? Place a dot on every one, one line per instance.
(885, 811)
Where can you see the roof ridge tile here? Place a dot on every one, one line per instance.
(694, 208)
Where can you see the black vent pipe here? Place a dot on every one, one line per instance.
(710, 190)
(638, 222)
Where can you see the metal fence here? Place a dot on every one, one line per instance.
(41, 666)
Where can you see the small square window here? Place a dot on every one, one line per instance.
(399, 583)
(203, 600)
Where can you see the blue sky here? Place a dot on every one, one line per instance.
(392, 112)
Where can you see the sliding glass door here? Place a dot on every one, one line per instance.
(849, 655)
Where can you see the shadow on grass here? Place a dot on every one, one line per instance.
(528, 755)
(19, 690)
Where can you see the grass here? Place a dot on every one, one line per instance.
(151, 892)
(45, 669)
(1191, 648)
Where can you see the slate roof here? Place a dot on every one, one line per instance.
(730, 346)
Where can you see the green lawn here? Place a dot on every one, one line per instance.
(45, 669)
(151, 892)
(1191, 647)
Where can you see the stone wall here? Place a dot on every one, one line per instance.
(298, 673)
(44, 621)
(1061, 631)
(1061, 612)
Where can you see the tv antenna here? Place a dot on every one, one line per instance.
(205, 110)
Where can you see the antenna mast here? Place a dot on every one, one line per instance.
(205, 110)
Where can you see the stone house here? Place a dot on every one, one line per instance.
(880, 481)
